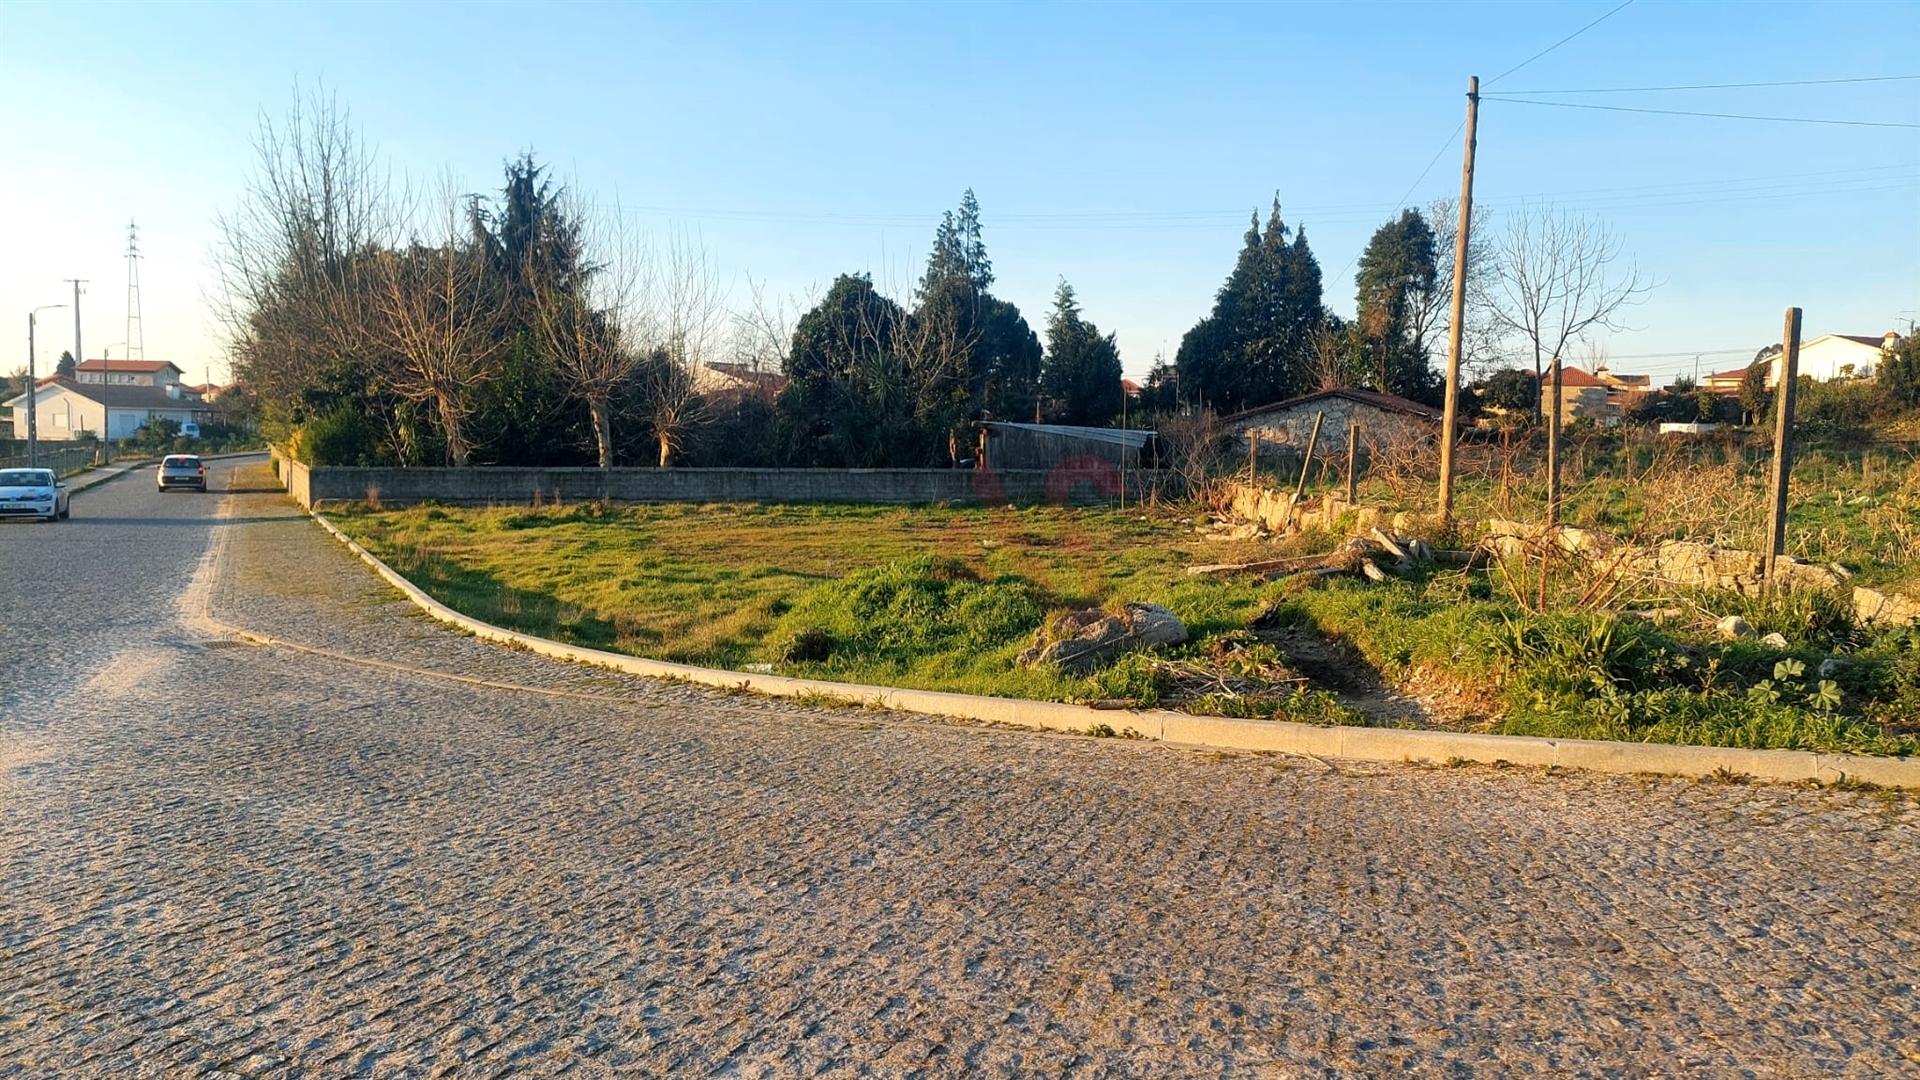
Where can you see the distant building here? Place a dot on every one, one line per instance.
(135, 391)
(1008, 445)
(723, 379)
(1825, 358)
(1130, 388)
(1582, 397)
(1728, 381)
(69, 409)
(1384, 419)
(128, 372)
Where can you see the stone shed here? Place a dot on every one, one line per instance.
(1385, 421)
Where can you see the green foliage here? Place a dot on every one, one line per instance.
(1899, 371)
(904, 611)
(1256, 346)
(1397, 277)
(1513, 389)
(340, 436)
(65, 366)
(1755, 398)
(870, 384)
(158, 433)
(1080, 377)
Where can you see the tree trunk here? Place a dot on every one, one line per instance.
(457, 448)
(602, 430)
(666, 450)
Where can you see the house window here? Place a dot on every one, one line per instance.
(60, 420)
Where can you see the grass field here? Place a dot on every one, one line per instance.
(945, 598)
(718, 585)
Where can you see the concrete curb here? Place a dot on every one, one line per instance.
(1163, 725)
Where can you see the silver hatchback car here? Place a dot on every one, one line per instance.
(182, 471)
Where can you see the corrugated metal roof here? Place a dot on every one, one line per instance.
(1133, 437)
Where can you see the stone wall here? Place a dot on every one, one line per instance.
(1093, 484)
(1682, 563)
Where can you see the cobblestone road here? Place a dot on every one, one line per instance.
(259, 862)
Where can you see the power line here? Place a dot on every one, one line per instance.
(1557, 44)
(1723, 86)
(1712, 115)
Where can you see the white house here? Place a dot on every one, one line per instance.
(66, 408)
(128, 372)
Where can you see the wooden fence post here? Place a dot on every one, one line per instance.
(1253, 457)
(1783, 396)
(1312, 438)
(1353, 462)
(1553, 448)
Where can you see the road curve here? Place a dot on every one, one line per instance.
(402, 852)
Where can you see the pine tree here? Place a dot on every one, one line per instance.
(65, 367)
(1256, 346)
(1080, 377)
(1398, 271)
(1003, 353)
(973, 249)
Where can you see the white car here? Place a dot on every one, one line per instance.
(32, 493)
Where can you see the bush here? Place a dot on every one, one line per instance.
(340, 436)
(906, 611)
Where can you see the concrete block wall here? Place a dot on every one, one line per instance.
(519, 486)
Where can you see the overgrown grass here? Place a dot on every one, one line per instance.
(1595, 675)
(946, 597)
(853, 593)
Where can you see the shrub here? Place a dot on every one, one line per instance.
(906, 611)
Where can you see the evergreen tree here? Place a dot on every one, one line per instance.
(1080, 377)
(972, 248)
(65, 367)
(1398, 274)
(1256, 346)
(1003, 353)
(870, 384)
(1755, 397)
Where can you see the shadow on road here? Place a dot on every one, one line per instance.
(205, 522)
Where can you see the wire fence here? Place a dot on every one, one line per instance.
(64, 461)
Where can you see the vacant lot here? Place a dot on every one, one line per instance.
(945, 598)
(725, 585)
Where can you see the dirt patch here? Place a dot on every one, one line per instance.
(1335, 667)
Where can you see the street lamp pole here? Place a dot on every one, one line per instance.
(106, 410)
(33, 378)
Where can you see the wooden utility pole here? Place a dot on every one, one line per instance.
(1463, 224)
(1313, 439)
(1783, 396)
(1353, 462)
(1553, 446)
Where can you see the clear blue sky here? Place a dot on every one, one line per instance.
(1120, 146)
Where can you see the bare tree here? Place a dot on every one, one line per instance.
(692, 312)
(1333, 357)
(294, 260)
(593, 325)
(763, 330)
(438, 317)
(1556, 279)
(1430, 310)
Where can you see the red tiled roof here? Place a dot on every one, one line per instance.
(143, 367)
(1574, 376)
